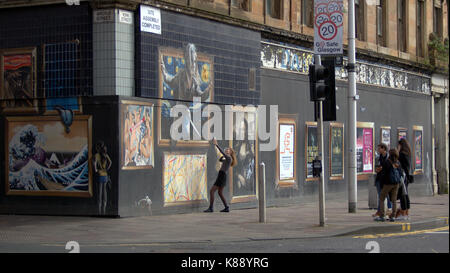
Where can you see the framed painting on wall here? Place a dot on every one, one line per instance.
(385, 136)
(336, 151)
(137, 135)
(311, 149)
(51, 105)
(243, 177)
(42, 159)
(184, 74)
(18, 83)
(365, 153)
(418, 149)
(184, 178)
(287, 151)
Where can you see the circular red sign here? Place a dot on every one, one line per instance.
(327, 30)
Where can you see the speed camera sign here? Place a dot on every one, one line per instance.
(328, 27)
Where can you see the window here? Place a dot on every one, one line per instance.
(244, 5)
(381, 22)
(359, 20)
(420, 26)
(274, 8)
(437, 18)
(308, 13)
(401, 25)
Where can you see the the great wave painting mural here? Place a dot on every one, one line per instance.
(43, 159)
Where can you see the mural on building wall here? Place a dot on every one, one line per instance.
(102, 163)
(243, 175)
(184, 74)
(298, 60)
(137, 135)
(18, 79)
(184, 178)
(43, 159)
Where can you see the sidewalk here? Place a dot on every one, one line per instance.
(295, 221)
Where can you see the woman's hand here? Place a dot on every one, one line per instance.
(214, 141)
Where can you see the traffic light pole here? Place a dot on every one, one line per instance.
(352, 98)
(318, 61)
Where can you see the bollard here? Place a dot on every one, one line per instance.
(262, 193)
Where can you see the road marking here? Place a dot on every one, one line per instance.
(373, 236)
(439, 232)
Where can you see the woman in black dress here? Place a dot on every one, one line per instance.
(228, 160)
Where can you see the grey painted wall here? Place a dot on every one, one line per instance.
(384, 107)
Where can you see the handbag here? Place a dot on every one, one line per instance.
(410, 179)
(402, 184)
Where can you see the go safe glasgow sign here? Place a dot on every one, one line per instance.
(328, 27)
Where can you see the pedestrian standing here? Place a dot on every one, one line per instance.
(391, 178)
(405, 162)
(228, 160)
(383, 156)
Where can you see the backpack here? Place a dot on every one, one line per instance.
(395, 176)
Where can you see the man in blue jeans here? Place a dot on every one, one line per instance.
(382, 151)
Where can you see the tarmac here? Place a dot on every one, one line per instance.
(294, 221)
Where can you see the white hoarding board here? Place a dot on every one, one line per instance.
(150, 19)
(328, 27)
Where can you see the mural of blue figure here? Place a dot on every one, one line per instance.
(102, 163)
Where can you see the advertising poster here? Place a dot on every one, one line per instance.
(418, 154)
(402, 133)
(368, 150)
(336, 153)
(312, 148)
(386, 136)
(287, 137)
(359, 150)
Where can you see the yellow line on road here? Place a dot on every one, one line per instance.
(373, 236)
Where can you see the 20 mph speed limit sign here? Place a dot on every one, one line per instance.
(328, 27)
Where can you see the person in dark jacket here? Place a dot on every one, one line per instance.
(405, 162)
(383, 156)
(389, 187)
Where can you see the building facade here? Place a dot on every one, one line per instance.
(84, 79)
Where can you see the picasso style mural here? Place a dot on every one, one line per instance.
(137, 135)
(184, 178)
(44, 159)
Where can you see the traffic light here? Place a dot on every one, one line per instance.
(317, 87)
(322, 87)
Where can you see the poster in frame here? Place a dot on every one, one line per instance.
(418, 149)
(54, 162)
(137, 135)
(243, 177)
(365, 152)
(385, 136)
(311, 149)
(18, 82)
(174, 89)
(287, 152)
(336, 151)
(402, 133)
